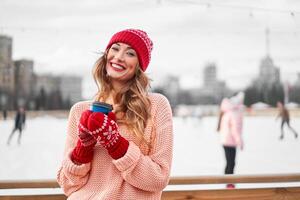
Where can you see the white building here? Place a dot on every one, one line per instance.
(6, 64)
(48, 83)
(71, 88)
(269, 73)
(24, 78)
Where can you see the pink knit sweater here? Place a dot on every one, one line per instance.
(142, 173)
(231, 124)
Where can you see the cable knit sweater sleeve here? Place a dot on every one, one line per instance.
(72, 177)
(151, 172)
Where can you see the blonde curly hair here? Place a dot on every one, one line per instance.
(132, 104)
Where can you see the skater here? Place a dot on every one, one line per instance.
(19, 125)
(285, 119)
(230, 128)
(4, 114)
(127, 153)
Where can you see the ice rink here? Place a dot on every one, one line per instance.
(197, 149)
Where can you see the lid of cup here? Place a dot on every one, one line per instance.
(102, 104)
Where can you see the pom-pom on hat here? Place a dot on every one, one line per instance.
(139, 41)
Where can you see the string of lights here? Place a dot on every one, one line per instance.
(88, 30)
(209, 5)
(47, 29)
(292, 13)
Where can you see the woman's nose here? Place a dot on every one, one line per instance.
(119, 55)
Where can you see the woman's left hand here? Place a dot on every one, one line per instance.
(106, 131)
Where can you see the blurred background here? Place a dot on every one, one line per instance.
(204, 51)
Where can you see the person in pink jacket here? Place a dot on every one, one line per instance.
(230, 128)
(126, 153)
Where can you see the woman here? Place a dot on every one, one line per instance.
(126, 154)
(230, 128)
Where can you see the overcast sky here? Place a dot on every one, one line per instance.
(64, 36)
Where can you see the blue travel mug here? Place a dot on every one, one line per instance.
(101, 107)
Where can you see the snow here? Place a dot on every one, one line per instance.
(260, 106)
(292, 105)
(197, 149)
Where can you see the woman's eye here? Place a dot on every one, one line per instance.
(114, 48)
(131, 53)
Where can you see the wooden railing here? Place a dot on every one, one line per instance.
(257, 193)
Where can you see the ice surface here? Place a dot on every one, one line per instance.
(197, 149)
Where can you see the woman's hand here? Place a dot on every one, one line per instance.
(84, 150)
(106, 131)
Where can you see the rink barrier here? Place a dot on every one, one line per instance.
(257, 193)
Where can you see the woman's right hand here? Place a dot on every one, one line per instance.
(84, 134)
(84, 150)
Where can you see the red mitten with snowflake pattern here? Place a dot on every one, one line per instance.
(84, 150)
(106, 131)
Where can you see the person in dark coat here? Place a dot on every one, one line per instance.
(19, 125)
(4, 114)
(285, 119)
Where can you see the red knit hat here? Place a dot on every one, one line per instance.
(138, 40)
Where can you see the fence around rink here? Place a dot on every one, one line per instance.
(253, 193)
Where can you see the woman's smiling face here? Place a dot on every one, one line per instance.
(122, 62)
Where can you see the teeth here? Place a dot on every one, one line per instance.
(117, 66)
